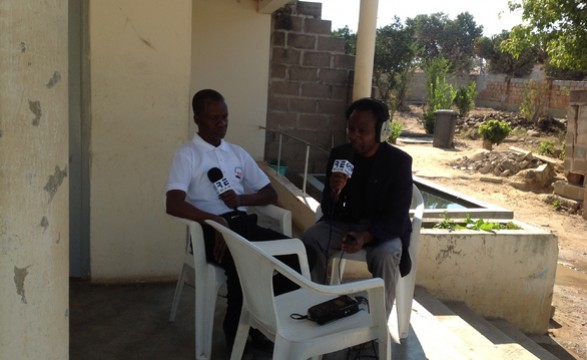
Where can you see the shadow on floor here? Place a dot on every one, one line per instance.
(131, 321)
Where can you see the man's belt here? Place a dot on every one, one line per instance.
(234, 215)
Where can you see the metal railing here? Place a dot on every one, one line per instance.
(309, 145)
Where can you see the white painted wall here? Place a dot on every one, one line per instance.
(140, 70)
(148, 57)
(231, 54)
(34, 219)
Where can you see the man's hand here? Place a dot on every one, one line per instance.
(231, 199)
(337, 182)
(355, 241)
(219, 243)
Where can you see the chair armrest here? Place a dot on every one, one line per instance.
(283, 216)
(287, 247)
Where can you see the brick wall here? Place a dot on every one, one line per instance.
(499, 92)
(310, 85)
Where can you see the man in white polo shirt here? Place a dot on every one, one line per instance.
(193, 193)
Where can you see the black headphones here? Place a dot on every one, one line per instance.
(381, 112)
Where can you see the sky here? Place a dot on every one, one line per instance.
(485, 12)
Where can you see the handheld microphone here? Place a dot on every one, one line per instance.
(221, 184)
(344, 163)
(343, 166)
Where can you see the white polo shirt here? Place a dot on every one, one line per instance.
(193, 160)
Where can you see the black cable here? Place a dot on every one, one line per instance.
(327, 250)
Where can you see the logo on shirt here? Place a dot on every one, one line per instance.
(238, 172)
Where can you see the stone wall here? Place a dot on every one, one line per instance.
(310, 86)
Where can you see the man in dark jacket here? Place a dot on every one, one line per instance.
(368, 207)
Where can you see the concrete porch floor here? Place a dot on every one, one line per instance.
(131, 322)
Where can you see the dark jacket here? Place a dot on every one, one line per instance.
(379, 193)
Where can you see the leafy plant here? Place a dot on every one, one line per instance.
(546, 147)
(495, 131)
(440, 94)
(429, 122)
(534, 104)
(465, 98)
(556, 204)
(478, 225)
(395, 128)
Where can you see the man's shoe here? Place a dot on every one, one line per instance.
(260, 341)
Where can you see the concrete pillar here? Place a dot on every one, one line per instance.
(366, 34)
(34, 219)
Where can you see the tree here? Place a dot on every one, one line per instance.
(458, 45)
(394, 62)
(502, 62)
(558, 27)
(438, 36)
(350, 38)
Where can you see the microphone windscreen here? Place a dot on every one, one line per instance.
(217, 179)
(344, 162)
(214, 174)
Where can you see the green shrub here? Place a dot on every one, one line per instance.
(396, 128)
(429, 122)
(535, 100)
(465, 98)
(495, 131)
(546, 148)
(440, 94)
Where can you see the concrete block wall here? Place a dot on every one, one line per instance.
(576, 140)
(310, 86)
(575, 165)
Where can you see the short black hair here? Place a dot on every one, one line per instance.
(200, 98)
(377, 107)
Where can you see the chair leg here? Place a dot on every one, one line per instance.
(337, 270)
(242, 333)
(178, 291)
(404, 299)
(384, 347)
(204, 318)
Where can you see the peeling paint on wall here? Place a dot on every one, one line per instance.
(55, 181)
(19, 276)
(35, 107)
(54, 79)
(44, 223)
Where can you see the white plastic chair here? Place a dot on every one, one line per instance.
(404, 289)
(299, 339)
(209, 277)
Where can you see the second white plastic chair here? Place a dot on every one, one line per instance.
(404, 290)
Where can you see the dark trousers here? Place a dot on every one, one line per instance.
(246, 226)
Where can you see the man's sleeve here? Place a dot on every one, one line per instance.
(180, 173)
(254, 178)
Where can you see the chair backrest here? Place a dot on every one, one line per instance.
(418, 202)
(255, 268)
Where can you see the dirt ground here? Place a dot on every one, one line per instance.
(568, 327)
